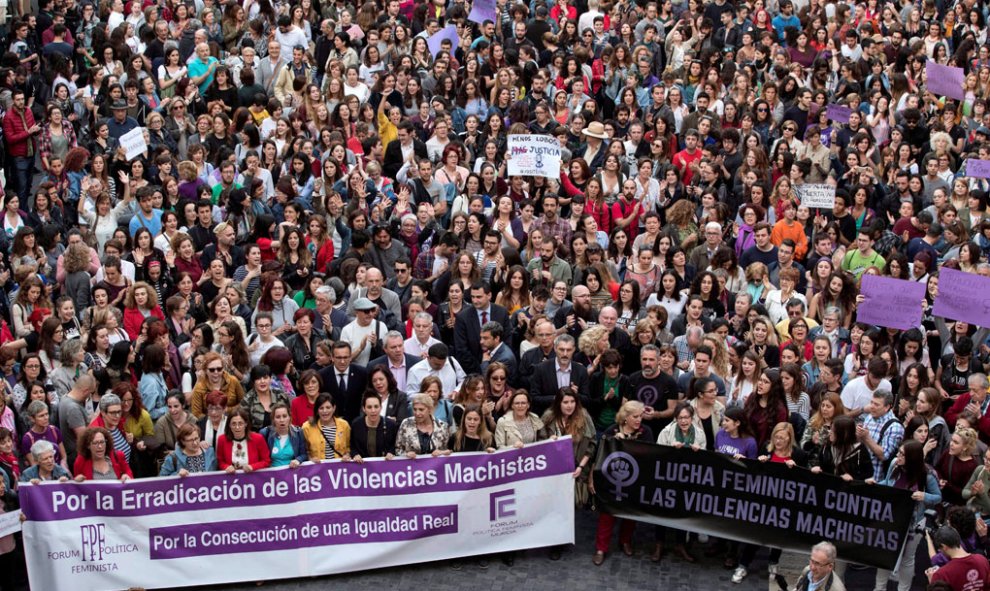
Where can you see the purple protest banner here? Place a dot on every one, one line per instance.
(890, 303)
(447, 33)
(838, 113)
(482, 10)
(281, 523)
(977, 168)
(945, 80)
(963, 296)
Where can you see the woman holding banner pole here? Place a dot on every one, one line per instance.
(782, 449)
(683, 432)
(628, 425)
(909, 471)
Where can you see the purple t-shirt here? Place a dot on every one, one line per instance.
(51, 434)
(728, 445)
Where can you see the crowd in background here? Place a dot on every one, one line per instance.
(319, 253)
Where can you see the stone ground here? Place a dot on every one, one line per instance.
(533, 571)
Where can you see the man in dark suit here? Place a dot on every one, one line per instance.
(344, 381)
(398, 152)
(467, 326)
(495, 350)
(396, 361)
(534, 357)
(560, 372)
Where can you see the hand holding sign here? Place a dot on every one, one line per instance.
(945, 80)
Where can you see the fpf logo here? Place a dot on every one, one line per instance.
(501, 504)
(93, 541)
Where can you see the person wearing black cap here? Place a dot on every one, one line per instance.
(120, 124)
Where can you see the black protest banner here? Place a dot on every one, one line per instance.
(756, 502)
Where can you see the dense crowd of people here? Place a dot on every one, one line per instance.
(320, 255)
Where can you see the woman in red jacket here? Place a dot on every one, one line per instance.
(98, 460)
(240, 449)
(140, 303)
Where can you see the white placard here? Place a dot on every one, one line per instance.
(534, 155)
(133, 143)
(822, 196)
(10, 523)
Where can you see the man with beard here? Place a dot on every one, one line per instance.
(617, 339)
(558, 373)
(655, 389)
(385, 252)
(578, 316)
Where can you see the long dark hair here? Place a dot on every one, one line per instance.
(914, 470)
(738, 415)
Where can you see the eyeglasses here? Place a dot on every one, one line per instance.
(215, 408)
(402, 270)
(114, 413)
(99, 443)
(819, 564)
(214, 369)
(498, 378)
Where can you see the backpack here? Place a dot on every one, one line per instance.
(885, 465)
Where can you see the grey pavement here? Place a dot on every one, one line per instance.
(534, 571)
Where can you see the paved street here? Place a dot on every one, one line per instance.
(533, 571)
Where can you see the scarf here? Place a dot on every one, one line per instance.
(686, 439)
(10, 460)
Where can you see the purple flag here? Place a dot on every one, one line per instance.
(838, 113)
(978, 168)
(945, 80)
(963, 296)
(890, 303)
(482, 10)
(447, 33)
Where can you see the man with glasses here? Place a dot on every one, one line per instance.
(857, 261)
(364, 332)
(401, 283)
(820, 573)
(489, 259)
(702, 254)
(74, 413)
(975, 401)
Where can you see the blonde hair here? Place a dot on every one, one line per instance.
(589, 338)
(969, 439)
(188, 171)
(629, 407)
(784, 427)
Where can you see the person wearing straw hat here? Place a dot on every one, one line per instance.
(595, 146)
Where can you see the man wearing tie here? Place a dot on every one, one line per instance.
(559, 372)
(344, 380)
(395, 360)
(467, 326)
(495, 350)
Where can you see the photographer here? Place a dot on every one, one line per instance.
(972, 531)
(964, 570)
